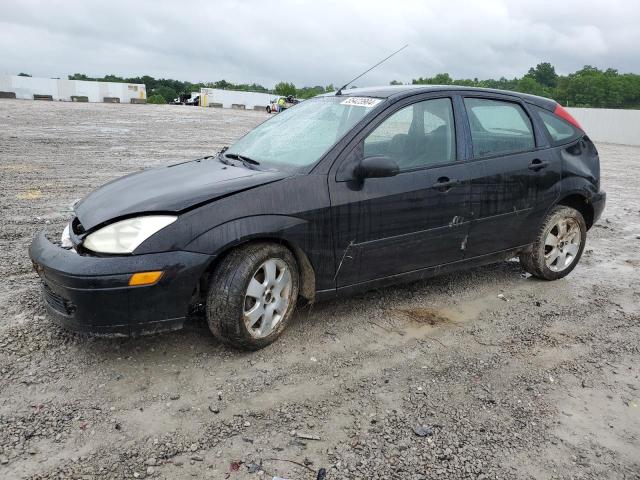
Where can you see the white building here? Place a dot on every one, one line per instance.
(216, 97)
(29, 88)
(609, 125)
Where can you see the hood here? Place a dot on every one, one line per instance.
(169, 189)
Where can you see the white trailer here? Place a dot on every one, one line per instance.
(30, 88)
(216, 97)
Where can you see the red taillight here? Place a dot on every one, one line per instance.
(563, 114)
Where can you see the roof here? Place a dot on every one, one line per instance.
(399, 91)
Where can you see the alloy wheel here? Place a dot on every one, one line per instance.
(267, 297)
(562, 244)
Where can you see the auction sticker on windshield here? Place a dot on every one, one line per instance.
(361, 102)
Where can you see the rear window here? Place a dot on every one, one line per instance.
(498, 127)
(557, 127)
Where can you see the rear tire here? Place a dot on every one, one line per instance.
(558, 245)
(252, 295)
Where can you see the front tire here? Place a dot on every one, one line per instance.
(252, 295)
(558, 245)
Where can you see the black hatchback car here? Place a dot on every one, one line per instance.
(336, 195)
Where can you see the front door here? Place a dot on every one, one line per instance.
(416, 219)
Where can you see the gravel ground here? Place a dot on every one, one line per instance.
(436, 379)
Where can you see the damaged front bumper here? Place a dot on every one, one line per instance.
(92, 294)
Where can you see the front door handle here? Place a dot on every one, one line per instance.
(444, 184)
(537, 164)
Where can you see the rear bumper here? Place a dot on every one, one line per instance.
(598, 202)
(91, 294)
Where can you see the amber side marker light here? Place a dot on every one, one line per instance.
(144, 278)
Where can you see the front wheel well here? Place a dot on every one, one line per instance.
(582, 204)
(307, 291)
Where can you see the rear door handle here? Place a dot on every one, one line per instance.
(537, 164)
(444, 184)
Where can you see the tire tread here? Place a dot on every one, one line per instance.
(534, 262)
(225, 295)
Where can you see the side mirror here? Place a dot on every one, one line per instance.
(376, 167)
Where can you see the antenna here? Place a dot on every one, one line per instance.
(339, 92)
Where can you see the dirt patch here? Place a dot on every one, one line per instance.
(29, 195)
(426, 316)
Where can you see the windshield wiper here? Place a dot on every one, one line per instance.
(221, 156)
(235, 156)
(248, 162)
(224, 160)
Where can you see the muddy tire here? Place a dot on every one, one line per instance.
(558, 245)
(252, 295)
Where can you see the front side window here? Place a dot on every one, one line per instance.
(498, 127)
(301, 135)
(416, 136)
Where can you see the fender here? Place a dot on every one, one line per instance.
(298, 234)
(241, 230)
(577, 185)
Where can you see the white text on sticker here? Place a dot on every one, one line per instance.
(361, 102)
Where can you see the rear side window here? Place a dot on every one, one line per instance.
(498, 127)
(557, 127)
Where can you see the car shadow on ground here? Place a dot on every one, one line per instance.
(196, 338)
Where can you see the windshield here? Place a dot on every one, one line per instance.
(301, 135)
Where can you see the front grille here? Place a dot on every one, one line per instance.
(56, 301)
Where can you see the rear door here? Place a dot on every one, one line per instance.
(416, 219)
(512, 174)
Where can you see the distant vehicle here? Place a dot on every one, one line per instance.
(181, 100)
(344, 193)
(187, 99)
(281, 104)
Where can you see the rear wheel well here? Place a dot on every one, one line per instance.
(582, 204)
(307, 290)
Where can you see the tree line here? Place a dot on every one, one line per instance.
(163, 90)
(587, 87)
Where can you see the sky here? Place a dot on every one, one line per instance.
(315, 43)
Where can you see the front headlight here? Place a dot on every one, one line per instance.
(125, 236)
